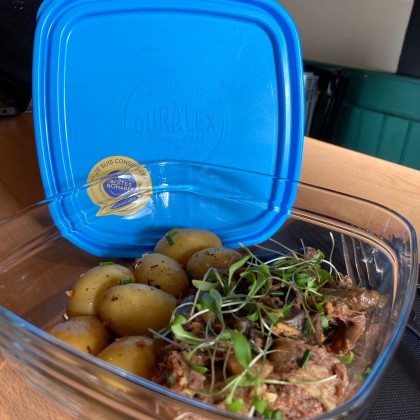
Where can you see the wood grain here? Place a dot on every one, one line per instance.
(394, 186)
(20, 401)
(325, 165)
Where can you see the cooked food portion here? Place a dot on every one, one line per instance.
(162, 272)
(87, 333)
(87, 292)
(180, 244)
(135, 309)
(133, 354)
(216, 257)
(273, 337)
(267, 337)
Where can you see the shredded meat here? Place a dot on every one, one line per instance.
(286, 354)
(178, 376)
(296, 369)
(328, 392)
(356, 298)
(348, 322)
(293, 401)
(344, 337)
(314, 388)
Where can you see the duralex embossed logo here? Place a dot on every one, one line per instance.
(119, 186)
(174, 114)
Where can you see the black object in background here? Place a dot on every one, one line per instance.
(332, 84)
(17, 27)
(409, 64)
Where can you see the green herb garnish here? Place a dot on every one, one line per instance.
(362, 376)
(305, 358)
(307, 327)
(104, 263)
(169, 236)
(347, 359)
(169, 380)
(125, 281)
(261, 293)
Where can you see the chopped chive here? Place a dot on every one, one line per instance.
(169, 236)
(361, 376)
(307, 327)
(346, 360)
(170, 380)
(324, 321)
(198, 368)
(103, 263)
(277, 293)
(305, 358)
(125, 281)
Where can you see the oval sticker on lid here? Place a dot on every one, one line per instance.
(120, 186)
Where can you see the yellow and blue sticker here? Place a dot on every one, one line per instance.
(119, 185)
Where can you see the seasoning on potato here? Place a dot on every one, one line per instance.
(135, 308)
(133, 354)
(86, 333)
(180, 244)
(88, 290)
(163, 272)
(214, 257)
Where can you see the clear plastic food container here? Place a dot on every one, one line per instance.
(40, 261)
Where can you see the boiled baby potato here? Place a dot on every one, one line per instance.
(163, 272)
(86, 333)
(88, 290)
(132, 309)
(180, 244)
(216, 256)
(134, 354)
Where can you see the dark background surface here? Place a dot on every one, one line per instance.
(17, 27)
(409, 64)
(399, 395)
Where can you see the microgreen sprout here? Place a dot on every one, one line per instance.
(255, 295)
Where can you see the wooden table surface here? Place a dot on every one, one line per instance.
(325, 165)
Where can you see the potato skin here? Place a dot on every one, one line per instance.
(133, 308)
(86, 333)
(186, 242)
(216, 256)
(89, 288)
(163, 272)
(135, 354)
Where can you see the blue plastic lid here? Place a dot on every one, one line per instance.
(123, 84)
